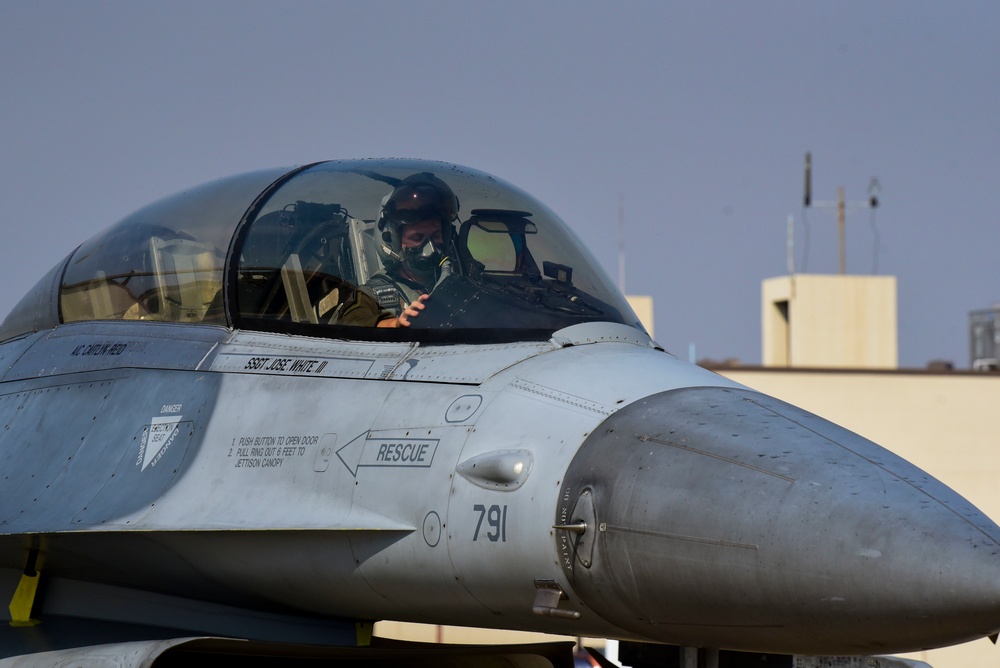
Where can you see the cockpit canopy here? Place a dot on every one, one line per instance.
(298, 251)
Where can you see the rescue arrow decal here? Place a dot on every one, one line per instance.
(396, 452)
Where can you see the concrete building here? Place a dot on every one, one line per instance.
(643, 307)
(837, 321)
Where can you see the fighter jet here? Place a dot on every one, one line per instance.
(286, 404)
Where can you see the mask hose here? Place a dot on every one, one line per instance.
(444, 267)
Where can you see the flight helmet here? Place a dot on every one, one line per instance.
(418, 197)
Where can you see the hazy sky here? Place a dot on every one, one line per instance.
(697, 114)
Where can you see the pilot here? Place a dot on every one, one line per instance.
(414, 232)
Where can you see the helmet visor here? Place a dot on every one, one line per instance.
(411, 203)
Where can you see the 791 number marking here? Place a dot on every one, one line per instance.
(496, 520)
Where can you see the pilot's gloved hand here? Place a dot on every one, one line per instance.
(411, 311)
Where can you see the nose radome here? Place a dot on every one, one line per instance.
(725, 518)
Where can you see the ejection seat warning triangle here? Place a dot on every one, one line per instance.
(156, 438)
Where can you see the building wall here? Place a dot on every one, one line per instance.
(819, 321)
(643, 307)
(947, 424)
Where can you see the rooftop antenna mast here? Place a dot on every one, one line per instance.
(842, 207)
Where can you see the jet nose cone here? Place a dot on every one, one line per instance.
(726, 518)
